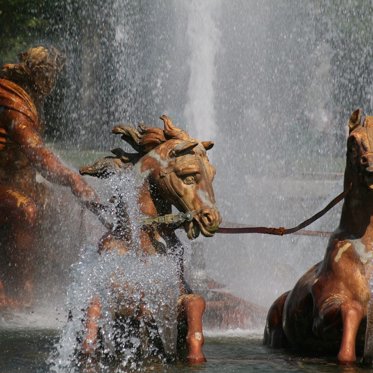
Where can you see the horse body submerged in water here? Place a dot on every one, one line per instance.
(175, 171)
(327, 308)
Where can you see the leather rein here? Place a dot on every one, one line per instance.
(282, 231)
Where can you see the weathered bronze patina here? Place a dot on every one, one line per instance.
(23, 89)
(327, 308)
(176, 172)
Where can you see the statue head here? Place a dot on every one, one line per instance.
(38, 67)
(360, 149)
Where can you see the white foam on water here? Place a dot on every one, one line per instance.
(38, 318)
(233, 333)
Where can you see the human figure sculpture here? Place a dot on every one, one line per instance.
(23, 89)
(327, 308)
(176, 172)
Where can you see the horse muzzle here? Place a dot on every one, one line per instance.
(207, 222)
(368, 177)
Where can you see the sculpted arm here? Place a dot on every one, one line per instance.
(44, 160)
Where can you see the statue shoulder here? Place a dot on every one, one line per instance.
(353, 248)
(14, 97)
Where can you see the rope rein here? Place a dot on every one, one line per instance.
(282, 231)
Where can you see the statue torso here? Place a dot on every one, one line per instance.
(15, 168)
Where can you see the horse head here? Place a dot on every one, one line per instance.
(359, 169)
(177, 171)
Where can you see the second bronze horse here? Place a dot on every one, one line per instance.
(327, 308)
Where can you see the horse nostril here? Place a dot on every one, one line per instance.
(208, 218)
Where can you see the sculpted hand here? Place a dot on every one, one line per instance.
(83, 191)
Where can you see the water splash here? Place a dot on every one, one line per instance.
(138, 298)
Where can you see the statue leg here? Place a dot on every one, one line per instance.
(108, 242)
(93, 316)
(5, 301)
(193, 306)
(352, 314)
(23, 259)
(19, 213)
(274, 335)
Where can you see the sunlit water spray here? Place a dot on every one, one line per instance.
(203, 37)
(140, 288)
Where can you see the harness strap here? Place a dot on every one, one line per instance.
(103, 211)
(282, 231)
(179, 218)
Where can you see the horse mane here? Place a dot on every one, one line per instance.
(143, 139)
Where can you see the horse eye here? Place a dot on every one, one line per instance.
(190, 179)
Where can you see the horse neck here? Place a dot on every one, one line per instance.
(151, 205)
(150, 201)
(357, 211)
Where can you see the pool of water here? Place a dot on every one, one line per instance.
(26, 351)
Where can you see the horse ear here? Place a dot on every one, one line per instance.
(207, 144)
(129, 134)
(183, 147)
(171, 131)
(168, 125)
(355, 119)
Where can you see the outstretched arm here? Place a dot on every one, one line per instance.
(44, 160)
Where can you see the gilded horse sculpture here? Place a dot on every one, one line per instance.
(327, 308)
(176, 172)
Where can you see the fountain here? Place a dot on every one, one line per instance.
(271, 83)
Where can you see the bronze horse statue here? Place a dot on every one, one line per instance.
(175, 171)
(326, 310)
